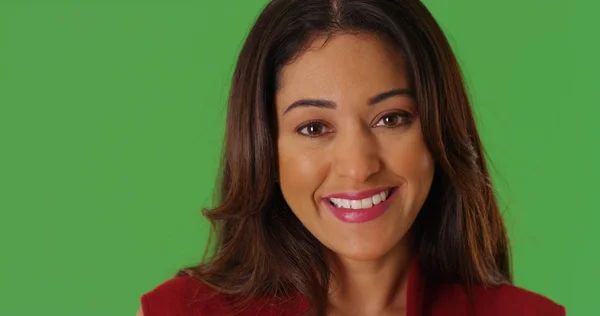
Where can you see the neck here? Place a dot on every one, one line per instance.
(371, 287)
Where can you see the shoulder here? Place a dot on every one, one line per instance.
(181, 295)
(186, 295)
(500, 300)
(513, 300)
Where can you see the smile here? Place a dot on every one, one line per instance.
(362, 203)
(359, 207)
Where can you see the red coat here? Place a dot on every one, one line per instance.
(186, 296)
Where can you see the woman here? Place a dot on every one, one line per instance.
(353, 180)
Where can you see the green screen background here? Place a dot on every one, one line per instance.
(112, 115)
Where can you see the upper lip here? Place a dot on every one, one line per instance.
(358, 195)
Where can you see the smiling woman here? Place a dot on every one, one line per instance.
(337, 163)
(353, 179)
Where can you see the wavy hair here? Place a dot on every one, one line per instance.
(261, 248)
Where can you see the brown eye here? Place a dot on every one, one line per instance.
(394, 119)
(312, 129)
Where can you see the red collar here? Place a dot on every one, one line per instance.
(415, 289)
(414, 292)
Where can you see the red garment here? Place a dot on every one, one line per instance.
(186, 296)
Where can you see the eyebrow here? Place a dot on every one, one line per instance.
(327, 104)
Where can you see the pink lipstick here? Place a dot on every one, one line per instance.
(339, 207)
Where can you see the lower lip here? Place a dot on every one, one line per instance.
(361, 215)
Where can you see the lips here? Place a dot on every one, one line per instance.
(358, 195)
(361, 215)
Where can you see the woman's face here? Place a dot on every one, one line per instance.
(354, 135)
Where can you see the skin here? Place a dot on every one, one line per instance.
(354, 147)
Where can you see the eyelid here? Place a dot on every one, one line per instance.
(306, 124)
(405, 115)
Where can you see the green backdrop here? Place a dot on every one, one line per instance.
(111, 120)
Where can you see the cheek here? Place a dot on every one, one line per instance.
(301, 171)
(412, 160)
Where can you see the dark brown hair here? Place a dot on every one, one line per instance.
(261, 248)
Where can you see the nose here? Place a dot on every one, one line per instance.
(356, 155)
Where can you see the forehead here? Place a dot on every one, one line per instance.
(344, 68)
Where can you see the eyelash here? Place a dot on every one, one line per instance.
(403, 115)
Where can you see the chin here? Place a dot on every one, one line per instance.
(363, 251)
(370, 246)
(362, 256)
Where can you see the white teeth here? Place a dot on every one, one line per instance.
(367, 203)
(360, 204)
(383, 195)
(345, 203)
(376, 199)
